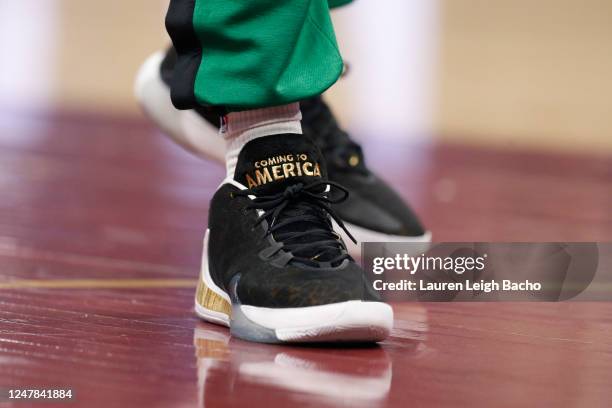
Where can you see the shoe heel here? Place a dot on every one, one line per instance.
(211, 302)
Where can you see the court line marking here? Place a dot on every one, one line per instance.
(98, 283)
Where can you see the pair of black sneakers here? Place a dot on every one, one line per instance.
(275, 266)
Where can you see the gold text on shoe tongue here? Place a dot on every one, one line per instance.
(281, 167)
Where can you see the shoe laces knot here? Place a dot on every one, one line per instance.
(299, 216)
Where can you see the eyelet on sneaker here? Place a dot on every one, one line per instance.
(231, 195)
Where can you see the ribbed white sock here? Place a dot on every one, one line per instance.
(242, 127)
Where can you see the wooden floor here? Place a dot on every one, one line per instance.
(101, 221)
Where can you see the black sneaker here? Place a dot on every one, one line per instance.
(273, 268)
(373, 212)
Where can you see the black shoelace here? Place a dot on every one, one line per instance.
(298, 218)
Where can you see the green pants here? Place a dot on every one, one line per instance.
(245, 54)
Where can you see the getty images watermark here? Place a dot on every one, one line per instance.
(480, 271)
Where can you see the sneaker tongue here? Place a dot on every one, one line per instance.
(268, 165)
(272, 163)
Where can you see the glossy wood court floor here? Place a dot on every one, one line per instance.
(101, 221)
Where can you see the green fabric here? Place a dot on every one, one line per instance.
(338, 3)
(261, 53)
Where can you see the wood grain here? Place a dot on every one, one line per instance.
(107, 199)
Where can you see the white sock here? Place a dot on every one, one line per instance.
(241, 127)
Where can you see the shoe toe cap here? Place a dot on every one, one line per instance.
(374, 205)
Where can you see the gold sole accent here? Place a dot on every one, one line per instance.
(210, 300)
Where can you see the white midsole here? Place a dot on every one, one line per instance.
(349, 313)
